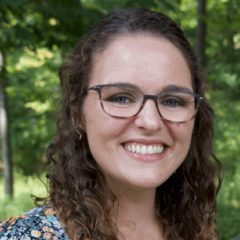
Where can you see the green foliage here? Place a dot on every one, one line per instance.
(223, 48)
(227, 139)
(227, 129)
(33, 101)
(229, 204)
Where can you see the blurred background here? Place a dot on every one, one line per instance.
(35, 38)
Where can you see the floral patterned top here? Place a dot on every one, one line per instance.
(40, 223)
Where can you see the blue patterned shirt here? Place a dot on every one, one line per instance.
(40, 223)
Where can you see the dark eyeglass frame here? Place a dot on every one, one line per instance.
(98, 89)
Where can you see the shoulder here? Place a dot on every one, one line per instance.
(39, 223)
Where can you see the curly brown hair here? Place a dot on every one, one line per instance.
(186, 202)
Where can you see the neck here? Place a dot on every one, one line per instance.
(134, 214)
(135, 204)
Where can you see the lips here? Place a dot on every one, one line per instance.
(144, 149)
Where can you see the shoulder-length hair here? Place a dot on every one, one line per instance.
(186, 202)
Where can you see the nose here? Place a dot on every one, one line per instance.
(148, 118)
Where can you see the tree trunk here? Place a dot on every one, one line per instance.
(201, 30)
(4, 128)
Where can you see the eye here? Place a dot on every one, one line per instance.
(121, 98)
(173, 102)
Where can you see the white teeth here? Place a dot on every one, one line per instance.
(150, 149)
(144, 149)
(136, 149)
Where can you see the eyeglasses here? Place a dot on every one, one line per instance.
(125, 100)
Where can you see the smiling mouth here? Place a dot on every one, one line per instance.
(144, 149)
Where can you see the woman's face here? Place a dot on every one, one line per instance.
(152, 64)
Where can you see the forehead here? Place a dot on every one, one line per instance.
(142, 60)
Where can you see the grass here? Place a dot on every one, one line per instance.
(22, 201)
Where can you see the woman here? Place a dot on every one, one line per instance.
(133, 155)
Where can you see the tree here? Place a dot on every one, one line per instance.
(4, 128)
(201, 30)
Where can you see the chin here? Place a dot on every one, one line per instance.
(148, 183)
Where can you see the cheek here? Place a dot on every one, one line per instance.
(104, 138)
(182, 133)
(102, 130)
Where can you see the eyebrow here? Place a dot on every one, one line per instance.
(168, 88)
(124, 84)
(176, 88)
